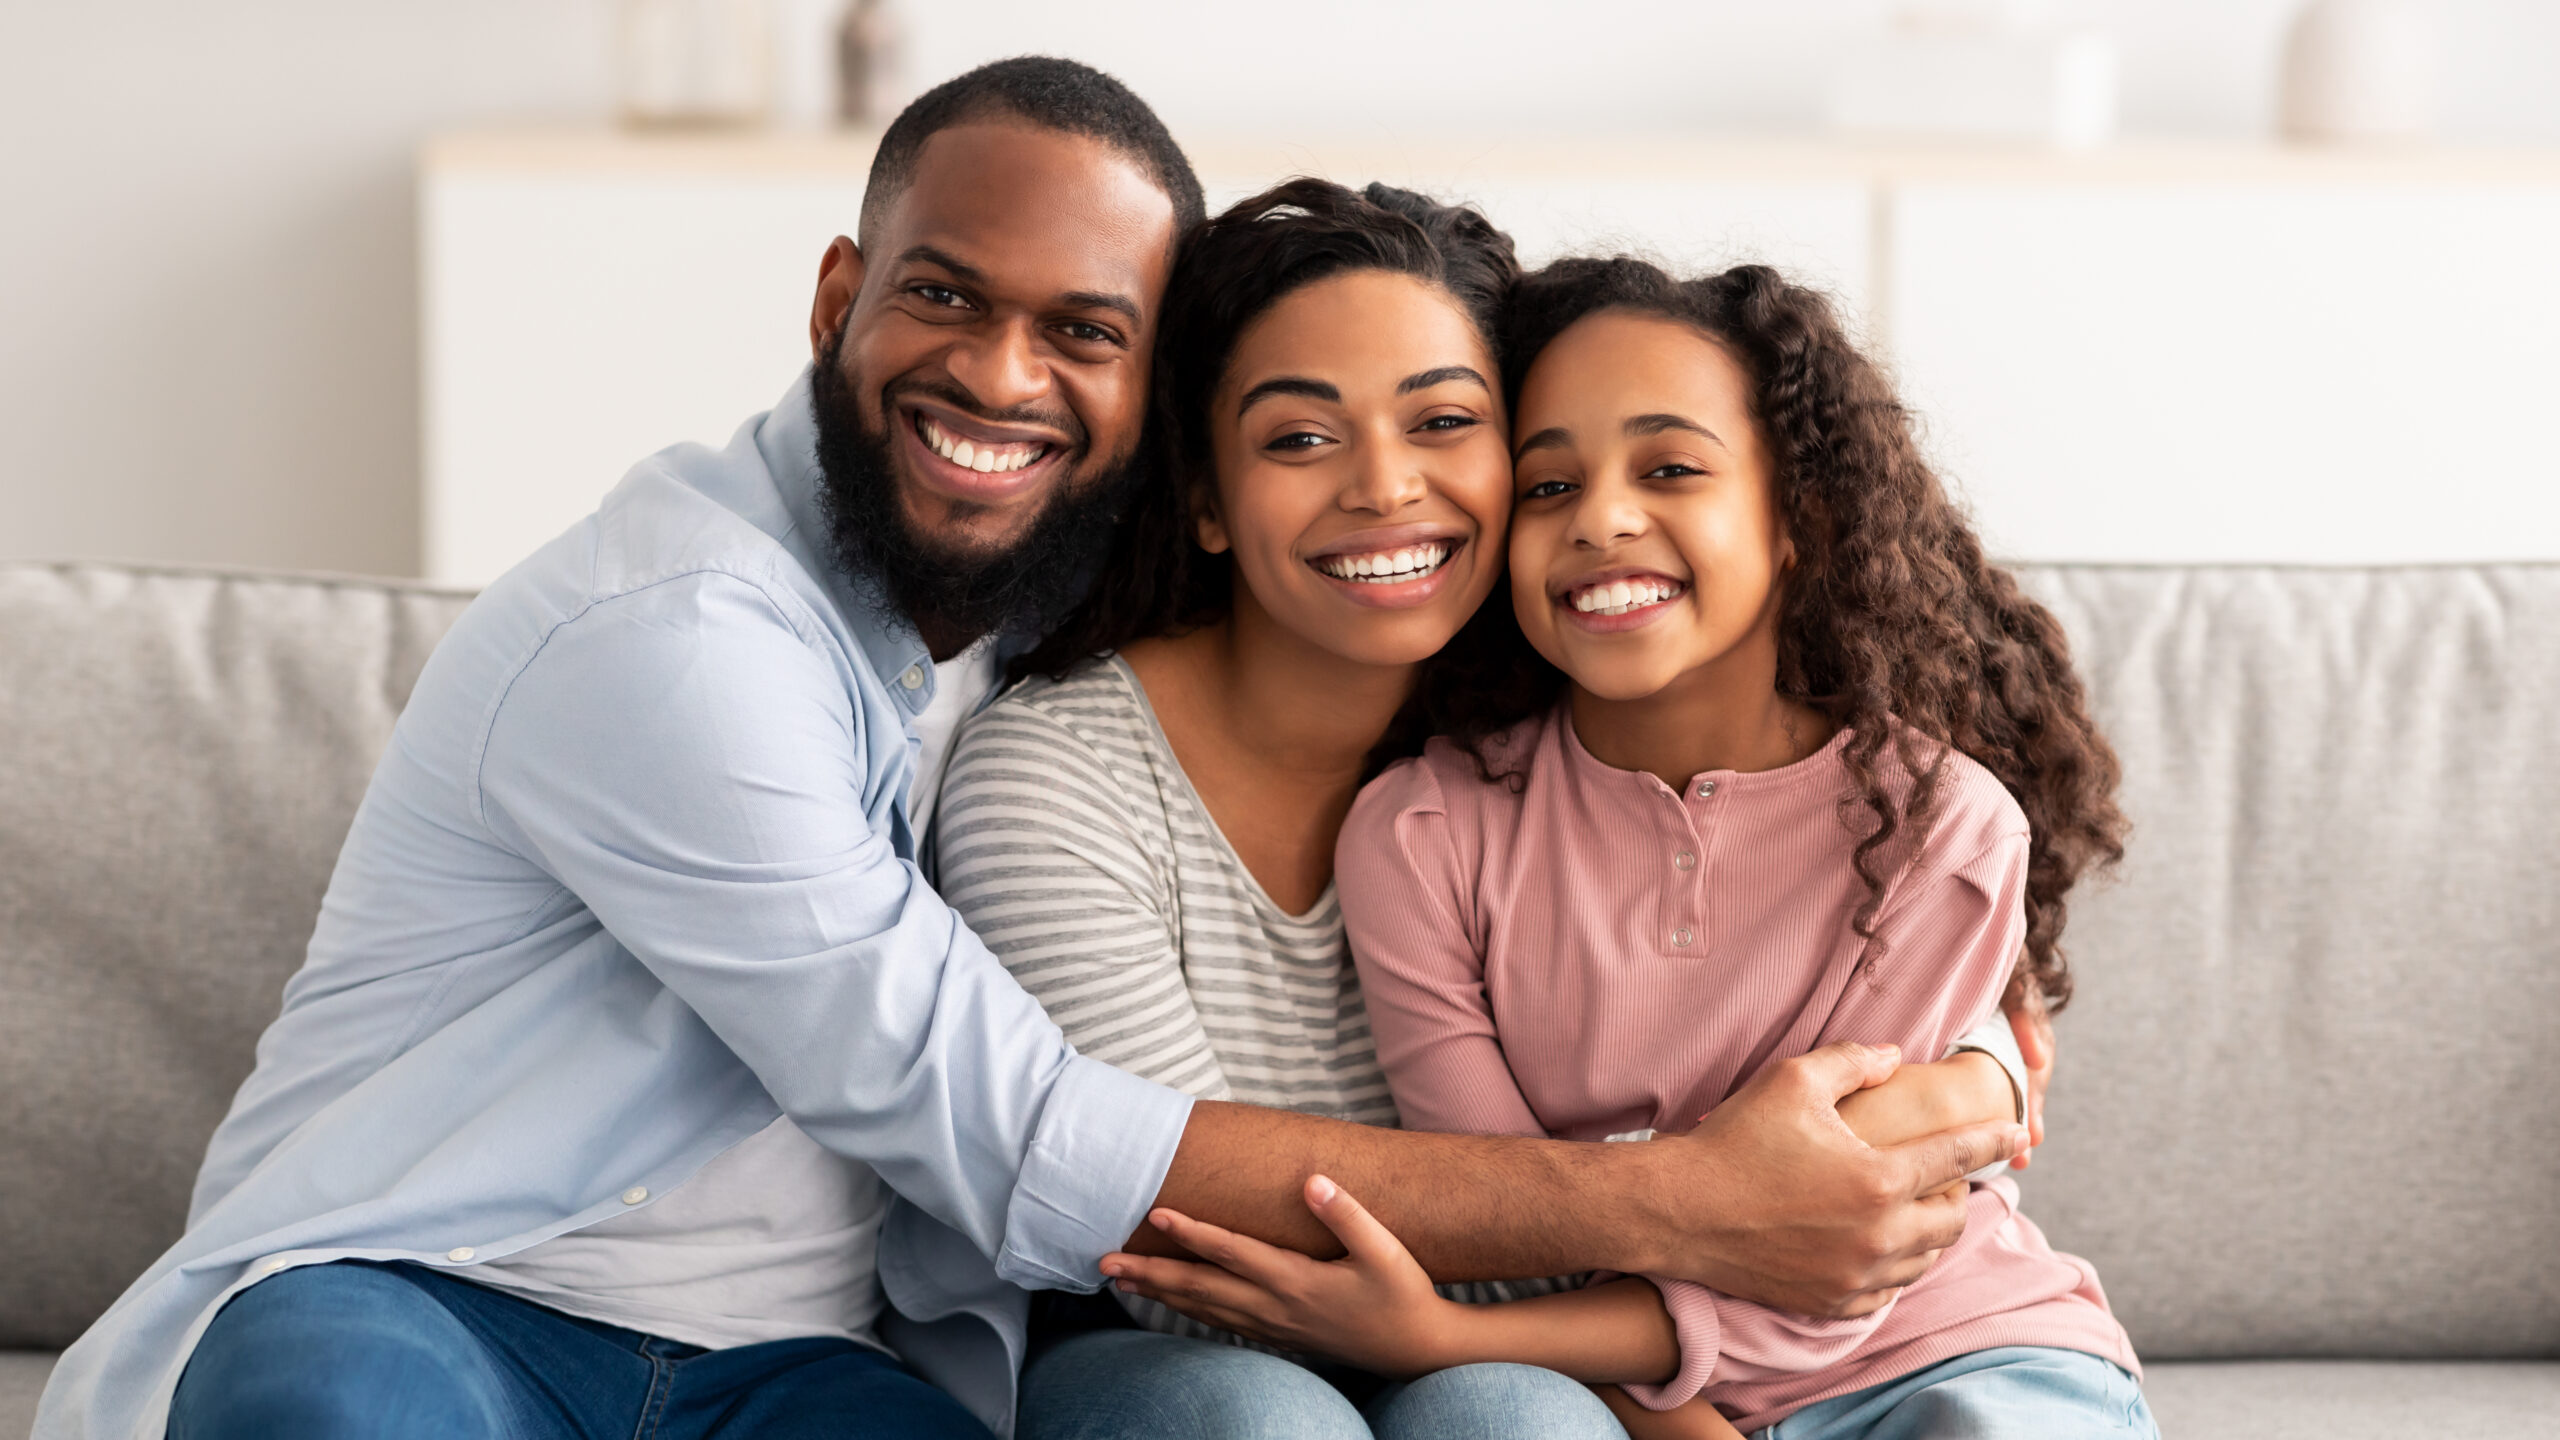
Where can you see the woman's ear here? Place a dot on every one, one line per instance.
(1206, 527)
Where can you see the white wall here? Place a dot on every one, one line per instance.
(208, 273)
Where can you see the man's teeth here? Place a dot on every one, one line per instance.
(1620, 596)
(985, 459)
(1389, 567)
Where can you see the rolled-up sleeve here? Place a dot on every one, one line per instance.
(695, 768)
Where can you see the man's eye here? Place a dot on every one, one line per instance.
(1547, 490)
(1088, 334)
(939, 295)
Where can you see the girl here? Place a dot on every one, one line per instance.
(1145, 835)
(1782, 762)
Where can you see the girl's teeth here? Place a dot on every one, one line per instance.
(1620, 596)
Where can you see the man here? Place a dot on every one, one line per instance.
(634, 1059)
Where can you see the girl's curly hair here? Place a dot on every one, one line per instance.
(1890, 613)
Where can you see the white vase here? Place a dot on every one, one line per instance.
(2361, 71)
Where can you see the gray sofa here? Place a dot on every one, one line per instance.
(2305, 1126)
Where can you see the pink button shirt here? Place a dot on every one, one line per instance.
(1596, 952)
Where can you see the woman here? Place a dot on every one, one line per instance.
(1146, 836)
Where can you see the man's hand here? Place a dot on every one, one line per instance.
(2034, 1026)
(1787, 1207)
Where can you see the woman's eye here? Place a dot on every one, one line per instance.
(1672, 470)
(1445, 423)
(1547, 490)
(1296, 440)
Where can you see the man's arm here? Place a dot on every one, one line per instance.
(1772, 1198)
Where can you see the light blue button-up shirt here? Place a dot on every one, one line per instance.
(634, 878)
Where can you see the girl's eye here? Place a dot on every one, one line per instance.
(1672, 469)
(1297, 440)
(1547, 490)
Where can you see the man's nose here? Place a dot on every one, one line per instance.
(999, 366)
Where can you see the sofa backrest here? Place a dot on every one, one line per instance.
(2300, 1109)
(2302, 1106)
(180, 754)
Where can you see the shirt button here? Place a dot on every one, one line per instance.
(1706, 789)
(635, 1194)
(1686, 860)
(460, 1254)
(1683, 935)
(914, 678)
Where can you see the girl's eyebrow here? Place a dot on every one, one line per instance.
(1554, 437)
(1638, 426)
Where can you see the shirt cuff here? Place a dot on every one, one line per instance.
(1097, 1162)
(1994, 1038)
(1701, 1332)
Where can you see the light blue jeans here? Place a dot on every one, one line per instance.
(2019, 1393)
(1138, 1385)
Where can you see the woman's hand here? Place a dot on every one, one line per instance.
(1373, 1308)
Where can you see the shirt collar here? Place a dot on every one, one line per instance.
(788, 441)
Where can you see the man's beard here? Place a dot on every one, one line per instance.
(960, 590)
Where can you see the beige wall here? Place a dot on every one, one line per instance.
(208, 346)
(208, 265)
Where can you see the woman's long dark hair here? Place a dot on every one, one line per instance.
(1231, 270)
(1891, 612)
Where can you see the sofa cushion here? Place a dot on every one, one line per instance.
(2305, 1104)
(22, 1376)
(2352, 1400)
(184, 751)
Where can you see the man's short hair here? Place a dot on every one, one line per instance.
(1045, 91)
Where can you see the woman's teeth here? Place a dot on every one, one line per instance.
(985, 459)
(1620, 596)
(1389, 567)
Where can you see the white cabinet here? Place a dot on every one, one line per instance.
(2135, 355)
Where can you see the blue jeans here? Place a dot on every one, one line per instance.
(399, 1352)
(2019, 1393)
(1138, 1385)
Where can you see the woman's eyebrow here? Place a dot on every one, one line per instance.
(1288, 385)
(1642, 425)
(1554, 437)
(1424, 380)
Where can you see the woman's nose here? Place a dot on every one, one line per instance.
(1386, 478)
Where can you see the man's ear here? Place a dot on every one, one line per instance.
(839, 280)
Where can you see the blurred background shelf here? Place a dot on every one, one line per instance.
(2146, 352)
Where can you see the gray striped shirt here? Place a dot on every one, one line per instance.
(1072, 842)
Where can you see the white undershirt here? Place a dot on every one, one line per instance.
(959, 684)
(777, 1237)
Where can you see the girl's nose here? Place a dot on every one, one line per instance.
(1607, 515)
